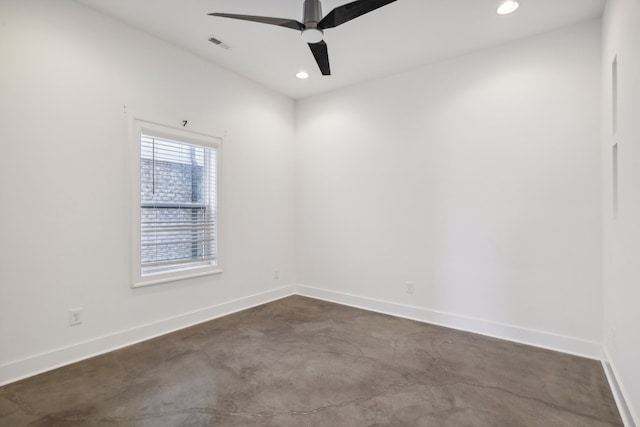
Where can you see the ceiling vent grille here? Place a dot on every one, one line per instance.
(220, 43)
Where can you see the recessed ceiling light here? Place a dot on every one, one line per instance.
(507, 7)
(302, 75)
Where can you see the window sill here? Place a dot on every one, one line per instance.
(155, 279)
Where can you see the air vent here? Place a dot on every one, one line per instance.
(220, 43)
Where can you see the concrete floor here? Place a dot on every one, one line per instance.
(303, 362)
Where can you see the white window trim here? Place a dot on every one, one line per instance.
(139, 126)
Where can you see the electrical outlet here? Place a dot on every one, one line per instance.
(75, 316)
(410, 287)
(276, 274)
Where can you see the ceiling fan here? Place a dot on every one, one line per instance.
(313, 25)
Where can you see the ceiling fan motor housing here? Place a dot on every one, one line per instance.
(312, 15)
(312, 12)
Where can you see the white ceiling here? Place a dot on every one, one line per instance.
(397, 37)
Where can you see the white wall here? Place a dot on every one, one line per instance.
(621, 30)
(478, 179)
(66, 72)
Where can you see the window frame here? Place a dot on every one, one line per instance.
(207, 267)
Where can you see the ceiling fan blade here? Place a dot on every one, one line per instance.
(349, 11)
(321, 53)
(281, 22)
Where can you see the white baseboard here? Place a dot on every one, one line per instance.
(36, 364)
(626, 411)
(591, 350)
(33, 365)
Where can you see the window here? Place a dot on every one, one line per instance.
(175, 204)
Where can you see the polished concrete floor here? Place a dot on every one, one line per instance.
(303, 362)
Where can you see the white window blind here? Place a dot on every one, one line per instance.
(178, 205)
